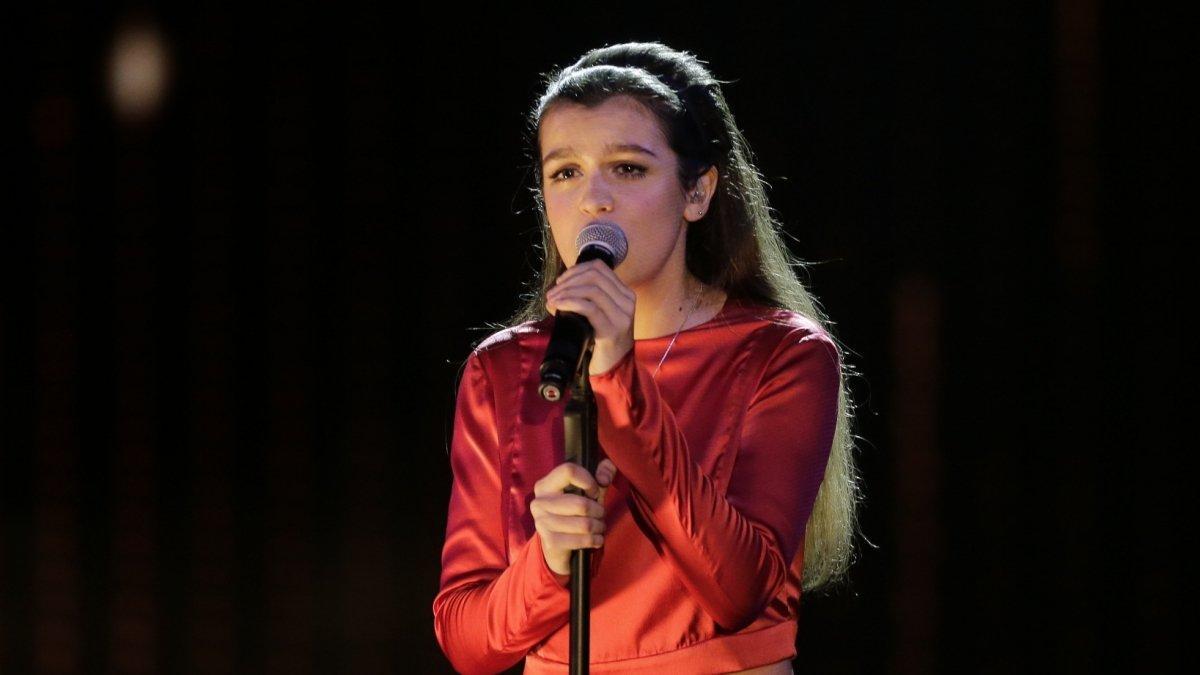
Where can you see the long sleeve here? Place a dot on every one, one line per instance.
(488, 613)
(732, 550)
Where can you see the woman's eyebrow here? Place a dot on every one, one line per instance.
(609, 147)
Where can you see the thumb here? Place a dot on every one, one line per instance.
(605, 473)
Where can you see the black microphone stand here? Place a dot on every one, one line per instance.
(579, 437)
(603, 241)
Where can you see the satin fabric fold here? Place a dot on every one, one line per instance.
(719, 461)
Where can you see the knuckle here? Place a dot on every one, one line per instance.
(572, 524)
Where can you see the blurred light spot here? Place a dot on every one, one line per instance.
(138, 71)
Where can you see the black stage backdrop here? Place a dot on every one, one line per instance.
(232, 328)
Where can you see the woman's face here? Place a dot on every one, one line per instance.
(612, 162)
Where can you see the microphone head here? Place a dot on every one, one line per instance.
(604, 235)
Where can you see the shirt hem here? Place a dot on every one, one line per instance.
(723, 654)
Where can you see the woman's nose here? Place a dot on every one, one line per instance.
(597, 198)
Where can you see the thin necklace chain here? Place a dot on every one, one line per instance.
(680, 329)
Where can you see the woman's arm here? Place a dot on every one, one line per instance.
(488, 613)
(732, 551)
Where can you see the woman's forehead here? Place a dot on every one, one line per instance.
(573, 128)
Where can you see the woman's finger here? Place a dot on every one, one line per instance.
(567, 504)
(605, 472)
(597, 306)
(563, 476)
(570, 541)
(602, 275)
(592, 287)
(572, 524)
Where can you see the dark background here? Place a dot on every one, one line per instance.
(231, 331)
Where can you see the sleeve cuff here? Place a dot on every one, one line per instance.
(546, 576)
(613, 390)
(613, 371)
(549, 576)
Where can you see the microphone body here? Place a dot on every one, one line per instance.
(572, 335)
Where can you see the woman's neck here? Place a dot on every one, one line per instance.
(663, 312)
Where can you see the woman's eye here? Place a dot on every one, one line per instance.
(555, 176)
(627, 170)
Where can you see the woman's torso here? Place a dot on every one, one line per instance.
(710, 373)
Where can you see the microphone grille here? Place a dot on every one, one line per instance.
(606, 234)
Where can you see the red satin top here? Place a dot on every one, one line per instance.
(718, 462)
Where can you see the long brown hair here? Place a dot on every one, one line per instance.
(736, 246)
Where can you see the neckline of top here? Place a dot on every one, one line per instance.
(727, 306)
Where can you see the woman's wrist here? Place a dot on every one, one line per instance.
(606, 355)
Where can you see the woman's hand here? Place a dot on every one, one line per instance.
(592, 289)
(566, 521)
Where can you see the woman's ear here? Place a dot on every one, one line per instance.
(701, 195)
